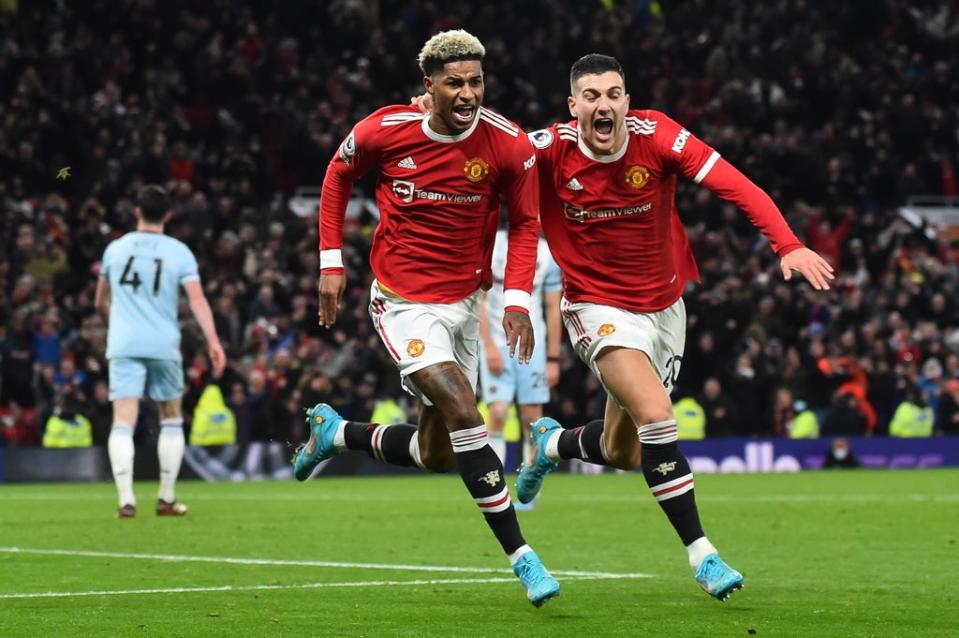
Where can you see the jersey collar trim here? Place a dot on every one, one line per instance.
(605, 159)
(449, 139)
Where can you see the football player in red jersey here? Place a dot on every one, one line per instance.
(441, 178)
(609, 214)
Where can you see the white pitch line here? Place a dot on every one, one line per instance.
(177, 558)
(362, 583)
(181, 590)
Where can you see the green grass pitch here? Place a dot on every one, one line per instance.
(824, 554)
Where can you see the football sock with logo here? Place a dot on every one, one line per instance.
(482, 472)
(393, 444)
(670, 479)
(584, 443)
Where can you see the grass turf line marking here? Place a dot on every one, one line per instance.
(193, 590)
(175, 558)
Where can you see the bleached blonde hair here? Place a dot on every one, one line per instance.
(449, 46)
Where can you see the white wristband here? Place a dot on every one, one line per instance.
(332, 258)
(516, 297)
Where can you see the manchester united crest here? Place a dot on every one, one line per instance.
(637, 176)
(415, 347)
(606, 329)
(476, 169)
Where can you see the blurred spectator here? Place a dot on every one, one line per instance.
(844, 417)
(914, 417)
(804, 423)
(721, 415)
(100, 411)
(840, 455)
(948, 420)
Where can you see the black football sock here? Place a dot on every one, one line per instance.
(584, 443)
(393, 444)
(482, 472)
(670, 479)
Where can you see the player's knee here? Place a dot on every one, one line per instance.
(655, 414)
(461, 415)
(623, 458)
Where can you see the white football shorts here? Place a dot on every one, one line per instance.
(661, 335)
(418, 335)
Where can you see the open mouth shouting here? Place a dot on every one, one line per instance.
(603, 128)
(463, 114)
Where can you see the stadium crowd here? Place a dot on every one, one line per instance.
(841, 111)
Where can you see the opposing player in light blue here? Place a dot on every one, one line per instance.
(138, 294)
(503, 380)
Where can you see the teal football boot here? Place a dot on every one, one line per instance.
(324, 422)
(718, 579)
(529, 481)
(539, 585)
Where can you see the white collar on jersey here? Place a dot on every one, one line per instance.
(601, 158)
(449, 139)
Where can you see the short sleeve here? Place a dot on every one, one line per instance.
(189, 270)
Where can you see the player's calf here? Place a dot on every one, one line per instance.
(482, 473)
(584, 443)
(670, 480)
(394, 444)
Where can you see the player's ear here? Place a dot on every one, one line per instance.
(428, 84)
(627, 101)
(571, 102)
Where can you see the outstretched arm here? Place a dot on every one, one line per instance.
(730, 184)
(696, 160)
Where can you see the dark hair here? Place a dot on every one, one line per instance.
(434, 65)
(154, 203)
(593, 64)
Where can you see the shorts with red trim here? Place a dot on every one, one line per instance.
(661, 335)
(418, 335)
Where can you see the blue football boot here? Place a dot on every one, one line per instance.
(324, 422)
(529, 480)
(539, 585)
(718, 579)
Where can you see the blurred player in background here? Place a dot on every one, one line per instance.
(609, 214)
(502, 380)
(441, 177)
(138, 294)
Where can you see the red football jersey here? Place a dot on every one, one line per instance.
(611, 221)
(439, 200)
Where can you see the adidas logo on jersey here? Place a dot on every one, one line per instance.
(574, 185)
(406, 162)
